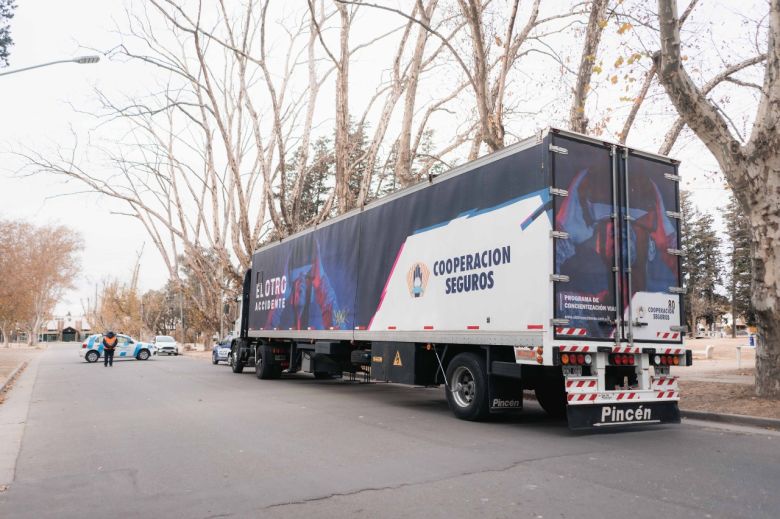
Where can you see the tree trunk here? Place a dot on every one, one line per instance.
(596, 23)
(343, 193)
(765, 225)
(751, 169)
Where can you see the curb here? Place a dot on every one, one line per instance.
(736, 419)
(13, 374)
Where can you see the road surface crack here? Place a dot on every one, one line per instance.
(496, 470)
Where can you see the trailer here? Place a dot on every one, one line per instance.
(552, 265)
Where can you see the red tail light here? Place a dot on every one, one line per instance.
(630, 360)
(580, 359)
(663, 360)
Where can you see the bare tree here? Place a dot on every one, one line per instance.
(752, 169)
(578, 122)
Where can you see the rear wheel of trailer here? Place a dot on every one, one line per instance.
(264, 366)
(467, 391)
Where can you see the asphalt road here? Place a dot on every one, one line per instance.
(179, 437)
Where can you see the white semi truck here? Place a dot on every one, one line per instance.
(552, 265)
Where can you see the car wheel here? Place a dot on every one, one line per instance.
(214, 359)
(92, 356)
(143, 355)
(467, 395)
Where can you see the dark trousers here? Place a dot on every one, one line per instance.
(108, 357)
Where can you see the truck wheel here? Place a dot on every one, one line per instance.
(468, 391)
(235, 361)
(92, 356)
(551, 395)
(263, 369)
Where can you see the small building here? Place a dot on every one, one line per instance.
(67, 329)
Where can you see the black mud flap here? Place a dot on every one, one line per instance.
(608, 416)
(506, 395)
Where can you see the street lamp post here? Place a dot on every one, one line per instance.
(81, 60)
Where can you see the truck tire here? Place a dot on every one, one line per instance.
(236, 364)
(551, 395)
(264, 369)
(467, 394)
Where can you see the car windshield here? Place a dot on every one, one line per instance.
(165, 338)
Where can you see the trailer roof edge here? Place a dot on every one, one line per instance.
(524, 144)
(594, 140)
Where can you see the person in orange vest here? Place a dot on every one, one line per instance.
(109, 344)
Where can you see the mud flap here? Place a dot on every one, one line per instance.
(606, 416)
(506, 394)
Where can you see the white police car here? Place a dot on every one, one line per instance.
(221, 350)
(126, 348)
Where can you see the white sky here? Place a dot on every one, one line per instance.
(37, 112)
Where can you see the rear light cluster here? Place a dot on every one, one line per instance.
(576, 359)
(278, 351)
(666, 360)
(622, 360)
(83, 345)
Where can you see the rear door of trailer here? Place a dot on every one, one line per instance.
(616, 252)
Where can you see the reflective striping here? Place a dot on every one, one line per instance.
(576, 349)
(535, 327)
(590, 397)
(626, 349)
(622, 397)
(427, 327)
(671, 351)
(571, 331)
(667, 335)
(581, 383)
(391, 327)
(472, 327)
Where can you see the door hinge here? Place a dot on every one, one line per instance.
(559, 277)
(558, 149)
(561, 235)
(677, 290)
(675, 178)
(559, 322)
(675, 252)
(678, 328)
(554, 191)
(674, 214)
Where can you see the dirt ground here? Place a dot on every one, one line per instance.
(726, 398)
(10, 358)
